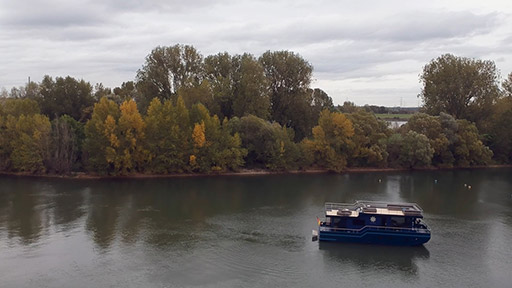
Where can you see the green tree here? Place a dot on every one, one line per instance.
(410, 150)
(100, 91)
(198, 94)
(168, 151)
(469, 149)
(64, 96)
(454, 142)
(507, 86)
(289, 76)
(269, 145)
(239, 85)
(348, 107)
(431, 126)
(127, 91)
(219, 70)
(500, 131)
(250, 88)
(331, 142)
(369, 140)
(66, 139)
(166, 70)
(319, 102)
(462, 87)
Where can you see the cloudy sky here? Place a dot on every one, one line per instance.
(367, 52)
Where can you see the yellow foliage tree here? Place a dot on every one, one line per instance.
(30, 141)
(111, 150)
(98, 141)
(131, 131)
(198, 135)
(329, 147)
(214, 148)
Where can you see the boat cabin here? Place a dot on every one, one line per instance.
(361, 214)
(374, 223)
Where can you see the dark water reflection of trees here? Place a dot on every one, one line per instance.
(162, 211)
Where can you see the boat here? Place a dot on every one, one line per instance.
(373, 222)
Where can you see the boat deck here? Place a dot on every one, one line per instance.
(369, 207)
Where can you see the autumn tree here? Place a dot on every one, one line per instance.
(123, 137)
(288, 76)
(5, 150)
(10, 111)
(131, 135)
(29, 142)
(214, 148)
(331, 142)
(19, 106)
(462, 87)
(100, 139)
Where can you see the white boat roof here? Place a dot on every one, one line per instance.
(371, 207)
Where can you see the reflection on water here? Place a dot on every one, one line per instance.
(231, 231)
(386, 259)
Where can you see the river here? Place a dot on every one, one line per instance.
(249, 231)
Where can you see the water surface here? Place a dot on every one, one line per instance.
(250, 231)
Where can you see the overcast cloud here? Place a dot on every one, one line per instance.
(369, 52)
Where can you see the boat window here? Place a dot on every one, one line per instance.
(397, 221)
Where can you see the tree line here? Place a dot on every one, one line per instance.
(186, 113)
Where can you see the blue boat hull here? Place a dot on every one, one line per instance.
(376, 236)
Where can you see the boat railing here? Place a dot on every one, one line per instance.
(340, 206)
(382, 228)
(373, 204)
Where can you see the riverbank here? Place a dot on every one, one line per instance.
(243, 172)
